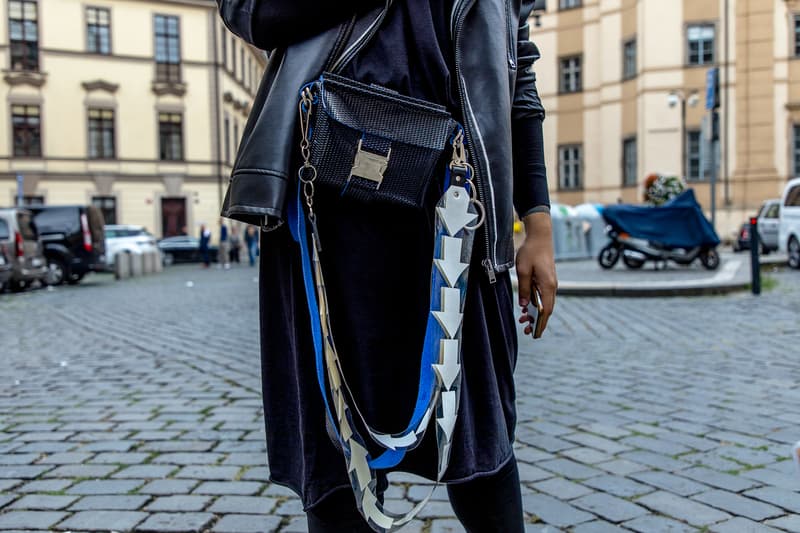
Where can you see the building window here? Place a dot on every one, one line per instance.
(98, 30)
(108, 206)
(236, 134)
(571, 74)
(629, 59)
(170, 136)
(27, 125)
(797, 35)
(796, 142)
(29, 200)
(569, 4)
(693, 155)
(23, 27)
(241, 62)
(629, 162)
(570, 162)
(224, 43)
(232, 48)
(168, 48)
(700, 44)
(101, 134)
(226, 131)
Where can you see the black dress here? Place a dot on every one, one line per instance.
(377, 263)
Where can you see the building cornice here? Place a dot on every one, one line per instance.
(100, 85)
(24, 77)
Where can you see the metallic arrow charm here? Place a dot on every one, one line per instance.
(450, 316)
(455, 213)
(449, 367)
(394, 442)
(448, 419)
(369, 504)
(358, 462)
(423, 425)
(450, 264)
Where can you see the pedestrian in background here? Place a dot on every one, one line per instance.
(205, 242)
(474, 59)
(224, 249)
(251, 241)
(236, 244)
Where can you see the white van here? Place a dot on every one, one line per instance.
(789, 231)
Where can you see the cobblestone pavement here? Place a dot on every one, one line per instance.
(135, 406)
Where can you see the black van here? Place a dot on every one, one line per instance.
(73, 238)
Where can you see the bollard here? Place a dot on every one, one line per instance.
(754, 249)
(122, 265)
(137, 266)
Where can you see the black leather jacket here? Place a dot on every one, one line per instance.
(496, 86)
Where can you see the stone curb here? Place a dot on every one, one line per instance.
(724, 282)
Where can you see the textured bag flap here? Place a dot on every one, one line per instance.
(383, 113)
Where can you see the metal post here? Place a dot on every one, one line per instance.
(684, 172)
(714, 147)
(754, 249)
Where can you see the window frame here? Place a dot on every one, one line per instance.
(575, 86)
(89, 24)
(566, 165)
(690, 157)
(176, 127)
(14, 127)
(796, 34)
(103, 123)
(687, 44)
(796, 150)
(168, 71)
(629, 75)
(573, 4)
(626, 142)
(27, 64)
(103, 209)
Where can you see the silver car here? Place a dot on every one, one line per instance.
(21, 247)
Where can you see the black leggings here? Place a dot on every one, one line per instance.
(489, 504)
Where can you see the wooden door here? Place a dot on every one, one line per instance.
(173, 216)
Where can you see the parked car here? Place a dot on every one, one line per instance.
(183, 249)
(73, 238)
(21, 248)
(789, 227)
(768, 223)
(5, 267)
(122, 238)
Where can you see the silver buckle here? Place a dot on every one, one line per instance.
(369, 165)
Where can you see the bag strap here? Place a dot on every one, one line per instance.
(441, 357)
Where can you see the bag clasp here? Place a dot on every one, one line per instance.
(369, 165)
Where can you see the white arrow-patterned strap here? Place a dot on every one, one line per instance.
(454, 213)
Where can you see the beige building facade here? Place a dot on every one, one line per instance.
(614, 77)
(136, 106)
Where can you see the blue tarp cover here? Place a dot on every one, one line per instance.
(679, 223)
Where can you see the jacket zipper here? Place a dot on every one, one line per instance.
(456, 21)
(363, 39)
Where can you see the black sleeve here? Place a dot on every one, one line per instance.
(530, 173)
(526, 97)
(270, 24)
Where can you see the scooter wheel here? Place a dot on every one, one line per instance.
(609, 256)
(710, 259)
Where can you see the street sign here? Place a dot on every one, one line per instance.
(712, 88)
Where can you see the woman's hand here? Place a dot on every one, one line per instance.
(536, 268)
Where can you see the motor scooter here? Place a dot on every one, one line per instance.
(675, 231)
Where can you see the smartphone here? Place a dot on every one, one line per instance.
(535, 312)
